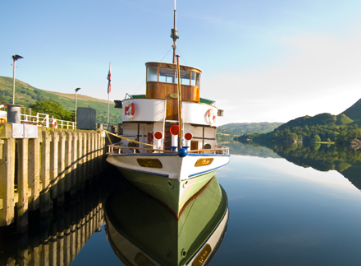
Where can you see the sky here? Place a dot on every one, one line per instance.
(261, 60)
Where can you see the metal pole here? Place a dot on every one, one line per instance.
(174, 34)
(14, 80)
(108, 113)
(76, 92)
(180, 119)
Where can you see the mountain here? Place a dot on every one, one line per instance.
(320, 119)
(26, 95)
(247, 128)
(354, 112)
(342, 128)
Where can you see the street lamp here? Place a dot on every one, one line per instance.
(76, 92)
(15, 57)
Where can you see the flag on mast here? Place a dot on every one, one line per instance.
(109, 79)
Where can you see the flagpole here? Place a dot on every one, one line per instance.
(109, 88)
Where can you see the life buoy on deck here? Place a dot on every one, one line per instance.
(211, 117)
(129, 110)
(55, 124)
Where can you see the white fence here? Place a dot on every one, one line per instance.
(41, 119)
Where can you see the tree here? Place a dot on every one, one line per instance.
(316, 138)
(52, 108)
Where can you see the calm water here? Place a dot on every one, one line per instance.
(282, 210)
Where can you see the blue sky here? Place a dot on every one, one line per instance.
(261, 60)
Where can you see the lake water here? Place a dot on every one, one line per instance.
(282, 211)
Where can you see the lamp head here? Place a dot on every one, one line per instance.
(76, 90)
(16, 57)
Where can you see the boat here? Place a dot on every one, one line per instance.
(143, 231)
(168, 144)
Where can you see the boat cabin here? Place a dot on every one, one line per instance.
(157, 110)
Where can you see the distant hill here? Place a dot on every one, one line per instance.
(354, 112)
(341, 128)
(26, 95)
(320, 119)
(247, 128)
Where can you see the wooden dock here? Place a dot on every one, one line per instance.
(57, 239)
(39, 165)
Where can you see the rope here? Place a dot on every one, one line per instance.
(121, 137)
(182, 56)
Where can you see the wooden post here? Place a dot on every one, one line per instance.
(22, 204)
(85, 162)
(60, 240)
(68, 161)
(92, 145)
(98, 164)
(89, 168)
(67, 238)
(7, 173)
(45, 172)
(54, 152)
(61, 167)
(22, 250)
(34, 173)
(53, 244)
(45, 256)
(74, 158)
(73, 234)
(80, 178)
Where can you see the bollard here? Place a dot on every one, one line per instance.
(14, 113)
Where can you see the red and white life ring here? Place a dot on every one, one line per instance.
(129, 110)
(54, 124)
(211, 117)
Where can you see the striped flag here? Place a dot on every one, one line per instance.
(109, 80)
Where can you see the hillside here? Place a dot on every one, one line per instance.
(342, 128)
(320, 119)
(354, 112)
(247, 128)
(27, 95)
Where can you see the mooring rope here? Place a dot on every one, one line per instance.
(121, 137)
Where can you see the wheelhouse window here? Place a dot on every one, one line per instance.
(152, 73)
(185, 77)
(195, 79)
(169, 75)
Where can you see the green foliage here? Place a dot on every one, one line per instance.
(316, 138)
(28, 95)
(53, 109)
(354, 112)
(321, 127)
(247, 128)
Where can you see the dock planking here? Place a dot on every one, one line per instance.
(35, 170)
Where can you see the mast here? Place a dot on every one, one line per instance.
(174, 34)
(179, 87)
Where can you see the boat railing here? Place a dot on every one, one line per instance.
(117, 149)
(114, 148)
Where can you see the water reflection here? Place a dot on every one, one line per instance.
(57, 238)
(322, 157)
(143, 231)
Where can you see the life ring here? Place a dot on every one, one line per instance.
(55, 124)
(211, 117)
(129, 110)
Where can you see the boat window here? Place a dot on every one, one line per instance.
(185, 77)
(167, 75)
(195, 79)
(152, 73)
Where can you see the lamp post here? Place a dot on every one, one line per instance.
(15, 57)
(76, 92)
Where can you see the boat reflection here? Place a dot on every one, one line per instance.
(143, 231)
